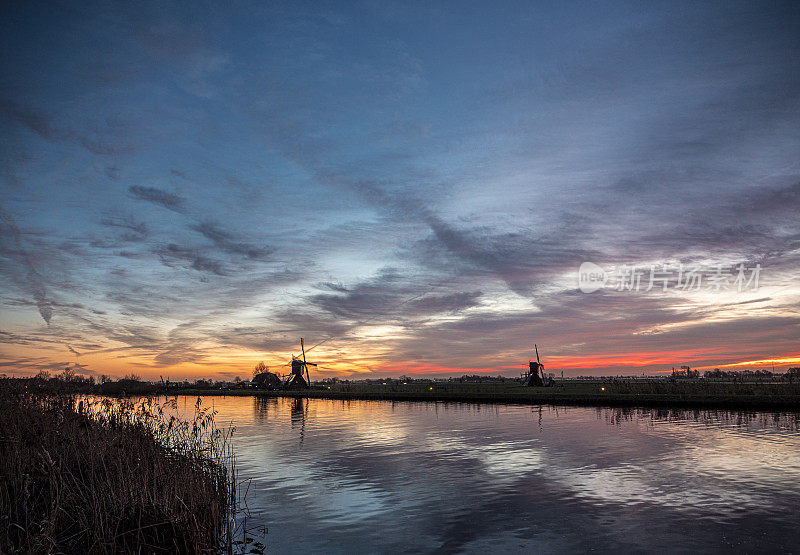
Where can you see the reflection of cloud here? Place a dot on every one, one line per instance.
(458, 474)
(707, 471)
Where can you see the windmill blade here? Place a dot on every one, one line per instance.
(305, 364)
(537, 353)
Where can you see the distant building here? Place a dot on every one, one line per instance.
(266, 380)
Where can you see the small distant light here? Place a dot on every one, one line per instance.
(602, 389)
(430, 388)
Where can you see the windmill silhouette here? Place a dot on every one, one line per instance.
(296, 380)
(535, 375)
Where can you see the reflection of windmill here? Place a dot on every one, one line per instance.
(299, 367)
(299, 413)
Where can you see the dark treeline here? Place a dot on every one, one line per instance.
(473, 378)
(792, 374)
(69, 381)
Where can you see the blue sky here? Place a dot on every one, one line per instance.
(188, 188)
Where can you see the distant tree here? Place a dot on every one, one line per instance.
(67, 375)
(132, 377)
(43, 375)
(105, 378)
(260, 368)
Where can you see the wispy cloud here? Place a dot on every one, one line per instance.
(24, 271)
(133, 230)
(159, 197)
(174, 254)
(227, 242)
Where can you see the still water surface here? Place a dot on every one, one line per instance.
(373, 476)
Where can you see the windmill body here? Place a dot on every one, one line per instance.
(535, 376)
(299, 377)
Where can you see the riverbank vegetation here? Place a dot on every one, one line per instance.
(83, 476)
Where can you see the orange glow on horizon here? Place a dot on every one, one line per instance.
(636, 359)
(782, 361)
(222, 363)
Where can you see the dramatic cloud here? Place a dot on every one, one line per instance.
(406, 191)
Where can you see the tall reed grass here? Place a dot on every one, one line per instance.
(112, 476)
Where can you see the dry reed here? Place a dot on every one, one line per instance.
(111, 476)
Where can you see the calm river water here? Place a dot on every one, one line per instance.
(363, 476)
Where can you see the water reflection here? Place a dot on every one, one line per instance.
(743, 419)
(419, 477)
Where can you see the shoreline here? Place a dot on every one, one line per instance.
(789, 403)
(686, 394)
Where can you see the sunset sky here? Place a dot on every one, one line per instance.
(188, 188)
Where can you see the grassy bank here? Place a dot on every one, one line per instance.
(110, 477)
(656, 393)
(734, 392)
